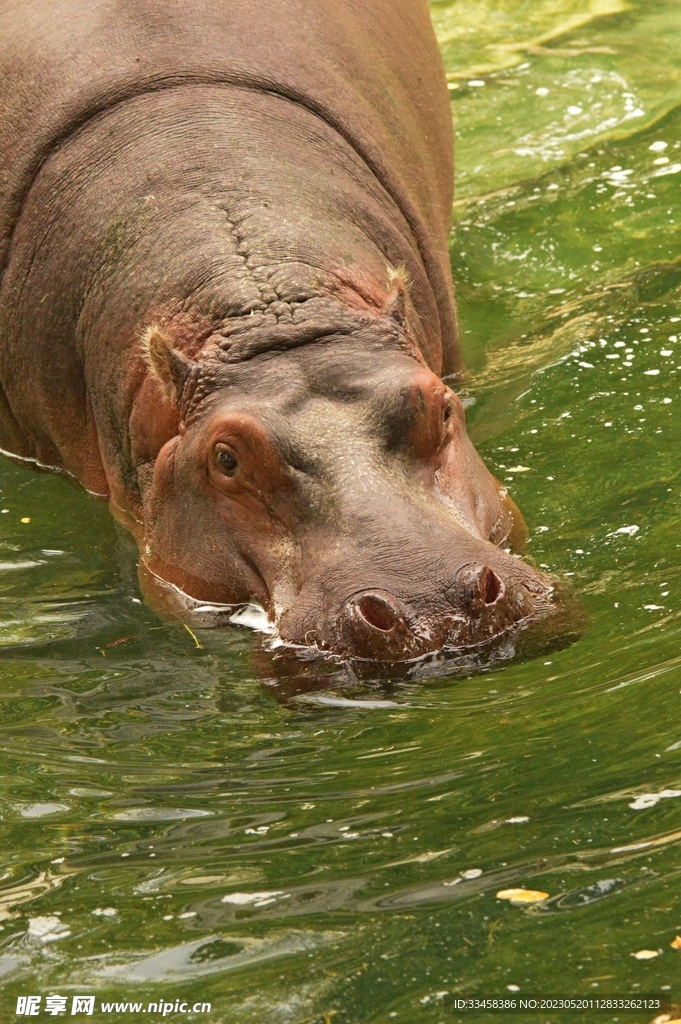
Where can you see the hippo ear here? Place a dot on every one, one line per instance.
(170, 367)
(395, 306)
(398, 307)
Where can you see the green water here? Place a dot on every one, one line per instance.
(143, 779)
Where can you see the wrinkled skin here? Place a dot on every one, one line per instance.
(226, 306)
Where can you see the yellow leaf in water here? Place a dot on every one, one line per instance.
(26, 519)
(645, 954)
(522, 896)
(676, 943)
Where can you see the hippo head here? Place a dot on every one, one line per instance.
(320, 469)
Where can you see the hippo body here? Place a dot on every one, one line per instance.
(226, 306)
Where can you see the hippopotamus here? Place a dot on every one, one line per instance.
(226, 307)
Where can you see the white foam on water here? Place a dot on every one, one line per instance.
(641, 803)
(254, 617)
(48, 928)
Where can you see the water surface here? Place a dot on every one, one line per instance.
(193, 828)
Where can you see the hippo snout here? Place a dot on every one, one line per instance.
(480, 603)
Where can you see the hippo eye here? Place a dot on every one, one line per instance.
(224, 460)
(446, 415)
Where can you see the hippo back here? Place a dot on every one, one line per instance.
(369, 68)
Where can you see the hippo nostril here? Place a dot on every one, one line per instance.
(490, 585)
(377, 612)
(375, 624)
(476, 588)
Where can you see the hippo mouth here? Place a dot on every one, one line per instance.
(376, 636)
(479, 612)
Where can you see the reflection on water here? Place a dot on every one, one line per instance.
(297, 842)
(209, 955)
